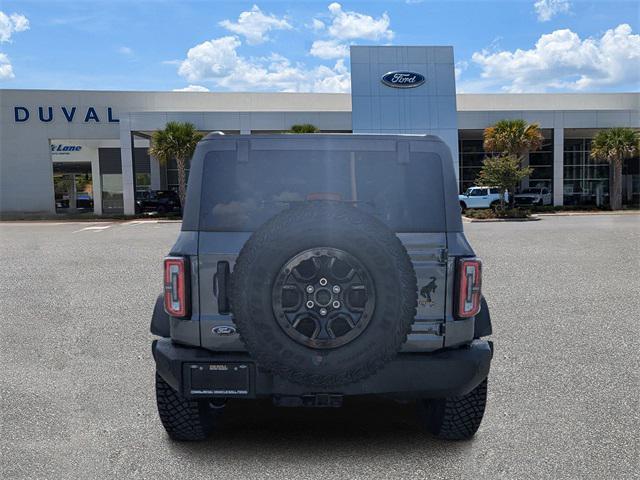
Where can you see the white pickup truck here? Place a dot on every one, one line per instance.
(534, 196)
(481, 197)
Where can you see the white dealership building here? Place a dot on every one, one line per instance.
(69, 151)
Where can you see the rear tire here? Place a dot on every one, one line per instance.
(494, 205)
(455, 418)
(184, 419)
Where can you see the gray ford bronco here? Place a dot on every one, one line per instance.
(314, 267)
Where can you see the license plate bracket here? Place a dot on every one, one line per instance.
(219, 379)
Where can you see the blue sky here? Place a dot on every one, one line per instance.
(507, 46)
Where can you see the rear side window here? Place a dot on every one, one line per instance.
(241, 196)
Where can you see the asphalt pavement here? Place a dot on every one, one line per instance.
(76, 373)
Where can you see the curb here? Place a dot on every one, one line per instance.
(533, 218)
(89, 220)
(576, 214)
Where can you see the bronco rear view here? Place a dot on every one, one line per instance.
(314, 267)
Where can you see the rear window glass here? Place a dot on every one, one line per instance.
(241, 196)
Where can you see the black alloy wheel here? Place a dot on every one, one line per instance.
(323, 298)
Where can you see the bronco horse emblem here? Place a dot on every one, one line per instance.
(427, 290)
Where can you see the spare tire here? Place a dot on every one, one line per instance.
(323, 294)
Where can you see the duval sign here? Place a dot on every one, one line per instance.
(47, 114)
(403, 79)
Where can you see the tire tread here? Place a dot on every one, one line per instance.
(183, 419)
(457, 418)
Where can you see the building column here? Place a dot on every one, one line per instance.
(245, 123)
(558, 166)
(525, 163)
(96, 184)
(155, 173)
(126, 159)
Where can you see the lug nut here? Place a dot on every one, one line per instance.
(310, 304)
(323, 311)
(323, 281)
(310, 288)
(336, 289)
(336, 304)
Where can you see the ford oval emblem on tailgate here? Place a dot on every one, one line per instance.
(403, 79)
(224, 330)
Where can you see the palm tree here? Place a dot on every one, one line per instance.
(614, 146)
(178, 140)
(513, 138)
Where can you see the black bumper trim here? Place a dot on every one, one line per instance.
(444, 373)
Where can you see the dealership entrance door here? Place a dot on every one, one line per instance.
(73, 187)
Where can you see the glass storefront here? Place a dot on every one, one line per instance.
(73, 187)
(472, 155)
(542, 163)
(111, 179)
(142, 169)
(112, 199)
(586, 181)
(172, 175)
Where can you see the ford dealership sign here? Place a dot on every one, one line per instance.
(403, 79)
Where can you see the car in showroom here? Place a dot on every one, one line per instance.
(158, 201)
(533, 196)
(481, 197)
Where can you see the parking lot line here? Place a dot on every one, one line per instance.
(94, 228)
(133, 223)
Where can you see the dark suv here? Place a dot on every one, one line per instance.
(314, 267)
(160, 201)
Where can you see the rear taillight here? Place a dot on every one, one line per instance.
(469, 287)
(176, 286)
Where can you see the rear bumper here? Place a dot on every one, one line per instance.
(196, 372)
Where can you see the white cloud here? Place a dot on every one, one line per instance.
(125, 51)
(460, 67)
(317, 25)
(214, 58)
(217, 61)
(346, 25)
(254, 25)
(6, 70)
(562, 60)
(10, 24)
(192, 88)
(329, 49)
(547, 9)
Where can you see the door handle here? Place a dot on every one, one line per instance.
(221, 287)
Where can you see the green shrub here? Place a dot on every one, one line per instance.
(304, 128)
(487, 213)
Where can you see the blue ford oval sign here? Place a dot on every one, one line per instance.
(403, 79)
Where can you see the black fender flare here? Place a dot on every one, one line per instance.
(483, 321)
(160, 324)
